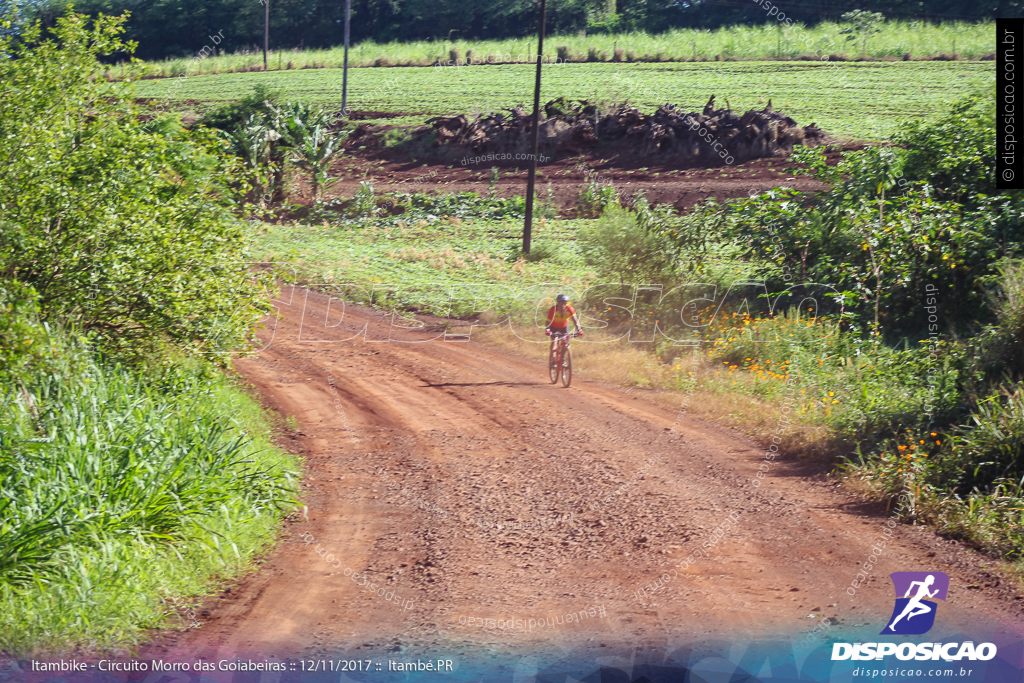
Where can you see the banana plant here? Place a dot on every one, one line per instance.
(304, 131)
(253, 141)
(314, 151)
(293, 121)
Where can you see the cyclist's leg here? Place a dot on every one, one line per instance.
(553, 350)
(554, 339)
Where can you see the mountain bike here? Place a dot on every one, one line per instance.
(560, 358)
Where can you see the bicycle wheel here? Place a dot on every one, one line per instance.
(567, 368)
(554, 364)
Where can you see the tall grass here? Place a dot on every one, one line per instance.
(898, 40)
(964, 480)
(964, 477)
(120, 491)
(961, 476)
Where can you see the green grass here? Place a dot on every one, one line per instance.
(124, 495)
(858, 100)
(436, 245)
(920, 39)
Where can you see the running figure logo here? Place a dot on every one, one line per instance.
(914, 613)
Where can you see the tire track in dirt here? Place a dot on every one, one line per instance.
(425, 461)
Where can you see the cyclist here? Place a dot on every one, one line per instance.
(559, 316)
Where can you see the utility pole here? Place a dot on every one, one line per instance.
(531, 177)
(344, 73)
(266, 31)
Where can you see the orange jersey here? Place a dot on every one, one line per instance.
(560, 320)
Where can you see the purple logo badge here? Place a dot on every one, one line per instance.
(916, 593)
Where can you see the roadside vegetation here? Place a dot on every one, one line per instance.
(919, 383)
(126, 495)
(135, 474)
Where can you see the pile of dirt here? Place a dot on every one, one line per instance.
(713, 137)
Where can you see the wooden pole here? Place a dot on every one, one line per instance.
(532, 176)
(344, 71)
(266, 31)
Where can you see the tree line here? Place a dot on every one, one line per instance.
(170, 28)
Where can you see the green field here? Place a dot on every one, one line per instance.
(436, 243)
(851, 100)
(898, 39)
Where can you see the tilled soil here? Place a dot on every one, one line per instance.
(466, 485)
(661, 183)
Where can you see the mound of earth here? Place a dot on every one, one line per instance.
(713, 137)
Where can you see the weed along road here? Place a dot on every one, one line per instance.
(457, 502)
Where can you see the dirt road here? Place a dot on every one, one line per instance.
(460, 481)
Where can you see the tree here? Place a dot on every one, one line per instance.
(124, 229)
(176, 28)
(953, 153)
(863, 25)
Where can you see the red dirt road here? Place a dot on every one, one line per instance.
(470, 443)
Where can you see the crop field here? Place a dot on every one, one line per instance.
(850, 100)
(898, 39)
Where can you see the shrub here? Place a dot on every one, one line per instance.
(595, 197)
(620, 248)
(954, 154)
(1005, 341)
(991, 445)
(90, 226)
(24, 341)
(364, 204)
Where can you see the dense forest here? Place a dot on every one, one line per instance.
(165, 28)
